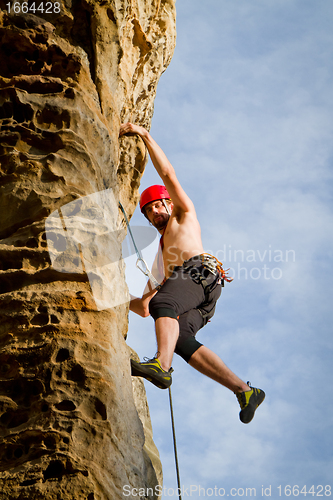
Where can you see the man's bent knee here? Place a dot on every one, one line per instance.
(162, 312)
(187, 348)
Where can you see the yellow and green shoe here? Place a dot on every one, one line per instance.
(151, 370)
(249, 402)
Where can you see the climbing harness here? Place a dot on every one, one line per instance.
(140, 261)
(214, 266)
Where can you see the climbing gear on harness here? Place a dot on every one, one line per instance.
(175, 444)
(249, 402)
(152, 371)
(140, 261)
(153, 193)
(214, 265)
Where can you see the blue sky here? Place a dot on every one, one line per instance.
(244, 113)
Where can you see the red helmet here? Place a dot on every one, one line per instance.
(153, 193)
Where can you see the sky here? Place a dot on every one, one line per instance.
(244, 114)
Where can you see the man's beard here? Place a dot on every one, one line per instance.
(162, 222)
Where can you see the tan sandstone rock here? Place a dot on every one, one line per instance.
(69, 421)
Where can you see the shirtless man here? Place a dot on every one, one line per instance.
(193, 280)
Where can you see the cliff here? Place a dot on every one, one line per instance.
(70, 424)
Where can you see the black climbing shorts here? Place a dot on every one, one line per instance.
(184, 297)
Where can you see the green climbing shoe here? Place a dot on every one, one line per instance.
(249, 402)
(152, 371)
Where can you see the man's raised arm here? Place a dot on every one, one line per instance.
(163, 167)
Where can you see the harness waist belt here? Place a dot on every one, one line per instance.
(204, 259)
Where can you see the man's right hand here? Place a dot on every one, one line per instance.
(131, 128)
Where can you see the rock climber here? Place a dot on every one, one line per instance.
(192, 285)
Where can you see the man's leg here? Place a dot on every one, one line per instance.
(207, 362)
(167, 333)
(158, 369)
(210, 364)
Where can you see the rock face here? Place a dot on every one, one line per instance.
(69, 422)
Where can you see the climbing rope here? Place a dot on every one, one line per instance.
(140, 261)
(147, 273)
(175, 445)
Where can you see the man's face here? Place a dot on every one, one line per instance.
(157, 214)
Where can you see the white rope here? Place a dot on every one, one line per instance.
(175, 445)
(157, 285)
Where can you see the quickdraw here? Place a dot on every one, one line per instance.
(140, 260)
